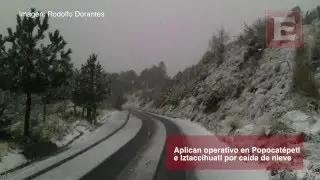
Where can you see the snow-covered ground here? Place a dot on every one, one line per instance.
(69, 137)
(80, 165)
(297, 120)
(249, 98)
(83, 129)
(11, 160)
(112, 120)
(190, 128)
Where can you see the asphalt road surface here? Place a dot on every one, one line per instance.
(162, 173)
(114, 166)
(119, 164)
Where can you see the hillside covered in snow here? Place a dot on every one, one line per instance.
(243, 87)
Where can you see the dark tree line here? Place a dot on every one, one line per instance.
(154, 78)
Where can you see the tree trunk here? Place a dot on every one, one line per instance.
(94, 115)
(2, 96)
(44, 109)
(83, 109)
(89, 113)
(65, 104)
(75, 110)
(27, 116)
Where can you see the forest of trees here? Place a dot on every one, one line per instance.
(36, 67)
(32, 68)
(153, 78)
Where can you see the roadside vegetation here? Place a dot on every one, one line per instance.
(43, 96)
(243, 78)
(42, 93)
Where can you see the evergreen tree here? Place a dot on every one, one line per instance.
(94, 86)
(154, 77)
(217, 44)
(28, 65)
(78, 91)
(58, 67)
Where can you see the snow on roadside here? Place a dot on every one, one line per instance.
(147, 161)
(109, 118)
(14, 159)
(309, 124)
(306, 123)
(66, 139)
(301, 122)
(191, 128)
(83, 129)
(116, 120)
(106, 115)
(11, 160)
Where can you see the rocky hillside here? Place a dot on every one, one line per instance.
(269, 91)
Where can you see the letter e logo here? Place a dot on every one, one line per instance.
(284, 29)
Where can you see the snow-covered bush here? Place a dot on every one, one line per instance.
(278, 127)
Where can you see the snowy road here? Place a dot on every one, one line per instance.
(116, 122)
(176, 126)
(143, 157)
(115, 163)
(149, 162)
(144, 165)
(96, 157)
(162, 173)
(135, 152)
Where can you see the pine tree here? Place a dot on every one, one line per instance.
(58, 67)
(32, 67)
(78, 91)
(94, 86)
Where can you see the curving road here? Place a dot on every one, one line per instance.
(116, 167)
(162, 173)
(112, 167)
(135, 152)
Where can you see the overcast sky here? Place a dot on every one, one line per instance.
(135, 34)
